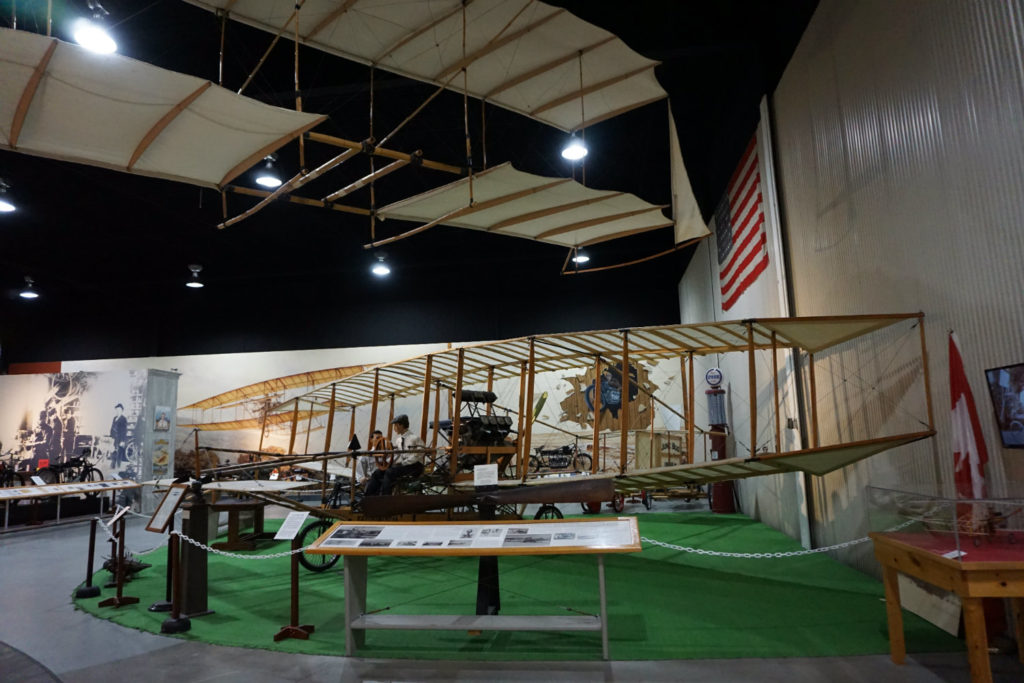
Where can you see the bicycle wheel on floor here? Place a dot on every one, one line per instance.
(309, 533)
(548, 511)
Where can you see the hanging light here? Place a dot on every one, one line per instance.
(29, 292)
(380, 268)
(267, 176)
(194, 283)
(580, 256)
(575, 150)
(5, 205)
(91, 34)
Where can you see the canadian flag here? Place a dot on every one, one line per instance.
(969, 454)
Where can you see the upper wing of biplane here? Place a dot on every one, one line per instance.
(57, 98)
(523, 55)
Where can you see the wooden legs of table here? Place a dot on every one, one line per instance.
(897, 646)
(977, 640)
(355, 601)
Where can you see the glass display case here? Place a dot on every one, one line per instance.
(990, 529)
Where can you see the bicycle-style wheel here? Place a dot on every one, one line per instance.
(11, 479)
(618, 502)
(309, 533)
(48, 475)
(91, 474)
(548, 511)
(534, 464)
(582, 462)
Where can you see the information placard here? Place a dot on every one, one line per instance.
(162, 516)
(290, 526)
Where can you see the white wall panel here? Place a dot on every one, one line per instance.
(900, 147)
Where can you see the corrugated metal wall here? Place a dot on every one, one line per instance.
(900, 149)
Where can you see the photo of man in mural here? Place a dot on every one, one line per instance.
(119, 433)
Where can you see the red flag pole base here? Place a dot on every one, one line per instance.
(300, 632)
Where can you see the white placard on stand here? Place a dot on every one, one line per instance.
(37, 480)
(290, 526)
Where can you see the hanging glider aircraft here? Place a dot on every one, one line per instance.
(521, 55)
(429, 377)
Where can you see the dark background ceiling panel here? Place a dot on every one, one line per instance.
(110, 251)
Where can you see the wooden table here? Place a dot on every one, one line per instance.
(358, 540)
(234, 507)
(994, 568)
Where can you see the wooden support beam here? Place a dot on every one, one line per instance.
(600, 220)
(582, 92)
(425, 414)
(391, 416)
(495, 44)
(329, 19)
(546, 67)
(305, 201)
(597, 415)
(373, 405)
(165, 121)
(295, 426)
(691, 425)
(544, 213)
(280, 32)
(247, 163)
(752, 378)
(814, 403)
(624, 410)
(327, 442)
(367, 179)
(28, 94)
(413, 35)
(775, 389)
(382, 152)
(294, 183)
(522, 456)
(677, 247)
(490, 387)
(528, 399)
(625, 233)
(457, 414)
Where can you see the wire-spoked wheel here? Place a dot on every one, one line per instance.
(548, 511)
(309, 533)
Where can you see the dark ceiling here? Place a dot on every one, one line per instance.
(110, 251)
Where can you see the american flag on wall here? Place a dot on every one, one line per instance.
(739, 230)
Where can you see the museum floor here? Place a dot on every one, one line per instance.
(44, 638)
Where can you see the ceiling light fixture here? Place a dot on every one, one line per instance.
(580, 256)
(380, 268)
(91, 34)
(194, 283)
(575, 150)
(267, 176)
(29, 292)
(5, 205)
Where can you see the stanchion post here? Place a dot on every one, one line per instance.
(294, 630)
(176, 623)
(165, 604)
(120, 599)
(89, 590)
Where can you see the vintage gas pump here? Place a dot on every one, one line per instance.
(721, 491)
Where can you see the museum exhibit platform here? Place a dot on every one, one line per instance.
(662, 603)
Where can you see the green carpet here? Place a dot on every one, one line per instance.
(662, 604)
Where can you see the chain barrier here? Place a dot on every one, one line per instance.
(237, 556)
(762, 556)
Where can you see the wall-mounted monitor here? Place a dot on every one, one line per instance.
(1006, 388)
